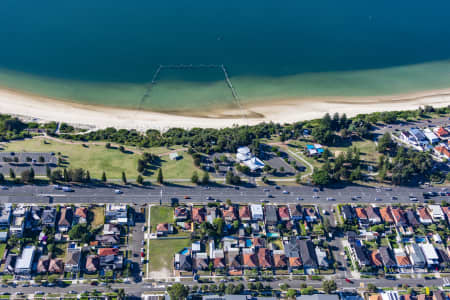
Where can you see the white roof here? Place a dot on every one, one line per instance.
(25, 260)
(390, 295)
(437, 238)
(436, 210)
(317, 146)
(430, 135)
(173, 155)
(254, 163)
(256, 209)
(429, 251)
(243, 150)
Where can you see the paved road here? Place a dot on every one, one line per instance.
(152, 194)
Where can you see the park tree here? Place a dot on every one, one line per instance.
(320, 177)
(140, 179)
(291, 294)
(124, 177)
(104, 176)
(66, 175)
(56, 175)
(2, 178)
(178, 291)
(12, 174)
(205, 178)
(329, 286)
(27, 176)
(160, 177)
(371, 288)
(88, 176)
(194, 177)
(385, 143)
(80, 232)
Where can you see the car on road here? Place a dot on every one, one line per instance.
(67, 189)
(413, 199)
(348, 280)
(73, 292)
(187, 197)
(4, 188)
(315, 190)
(330, 199)
(143, 229)
(277, 187)
(269, 196)
(315, 197)
(285, 192)
(94, 282)
(378, 199)
(25, 285)
(209, 198)
(118, 192)
(143, 242)
(299, 198)
(39, 293)
(394, 198)
(56, 187)
(266, 190)
(19, 293)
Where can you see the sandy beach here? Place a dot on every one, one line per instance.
(289, 110)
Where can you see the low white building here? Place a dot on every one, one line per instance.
(25, 261)
(257, 212)
(390, 295)
(245, 157)
(436, 212)
(431, 137)
(430, 253)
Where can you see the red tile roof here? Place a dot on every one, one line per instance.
(376, 258)
(198, 214)
(264, 258)
(229, 213)
(244, 213)
(361, 213)
(386, 215)
(283, 212)
(441, 132)
(162, 227)
(250, 260)
(81, 212)
(402, 260)
(423, 213)
(108, 251)
(279, 261)
(443, 151)
(295, 262)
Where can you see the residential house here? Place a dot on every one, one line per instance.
(56, 265)
(201, 261)
(219, 259)
(292, 252)
(411, 218)
(244, 213)
(403, 262)
(386, 257)
(308, 254)
(399, 219)
(416, 255)
(5, 215)
(264, 258)
(407, 138)
(42, 266)
(347, 213)
(65, 219)
(24, 262)
(107, 240)
(10, 263)
(442, 151)
(81, 215)
(73, 258)
(436, 212)
(92, 263)
(372, 215)
(430, 254)
(419, 137)
(437, 295)
(111, 262)
(357, 250)
(361, 214)
(271, 215)
(444, 259)
(211, 214)
(310, 214)
(376, 259)
(229, 213)
(386, 215)
(19, 217)
(108, 251)
(181, 213)
(280, 261)
(196, 246)
(296, 212)
(116, 214)
(111, 229)
(431, 137)
(283, 212)
(3, 237)
(446, 211)
(257, 212)
(424, 216)
(233, 259)
(198, 214)
(249, 258)
(49, 217)
(322, 260)
(34, 221)
(318, 297)
(441, 132)
(164, 229)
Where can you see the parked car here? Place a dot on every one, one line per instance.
(118, 192)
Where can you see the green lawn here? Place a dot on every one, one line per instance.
(160, 214)
(95, 158)
(162, 253)
(174, 169)
(2, 249)
(99, 216)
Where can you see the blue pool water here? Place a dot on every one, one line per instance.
(273, 234)
(185, 251)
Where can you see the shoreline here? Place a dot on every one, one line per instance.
(42, 109)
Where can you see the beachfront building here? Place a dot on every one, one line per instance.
(244, 156)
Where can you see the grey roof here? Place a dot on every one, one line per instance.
(183, 262)
(308, 253)
(295, 211)
(318, 297)
(417, 255)
(73, 257)
(347, 212)
(372, 213)
(49, 216)
(292, 248)
(271, 214)
(411, 217)
(25, 260)
(386, 256)
(361, 255)
(443, 257)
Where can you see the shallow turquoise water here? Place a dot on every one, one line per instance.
(106, 52)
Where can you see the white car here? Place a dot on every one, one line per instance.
(330, 199)
(118, 192)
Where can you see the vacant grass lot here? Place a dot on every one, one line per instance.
(99, 216)
(162, 252)
(160, 214)
(96, 158)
